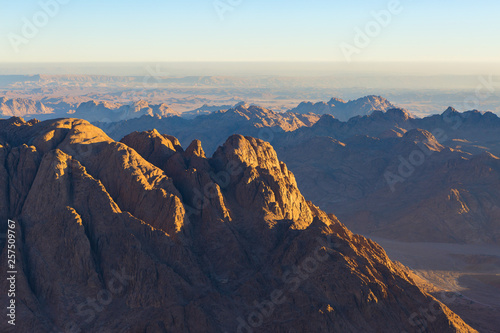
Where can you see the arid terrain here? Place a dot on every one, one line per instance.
(156, 84)
(427, 189)
(463, 276)
(143, 235)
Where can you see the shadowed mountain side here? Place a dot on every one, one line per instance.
(470, 131)
(108, 240)
(409, 188)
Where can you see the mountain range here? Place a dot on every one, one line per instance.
(112, 112)
(106, 111)
(214, 128)
(21, 107)
(361, 168)
(145, 236)
(343, 110)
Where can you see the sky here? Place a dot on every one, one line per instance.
(249, 30)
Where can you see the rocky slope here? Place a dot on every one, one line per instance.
(144, 236)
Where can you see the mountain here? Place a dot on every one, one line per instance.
(21, 107)
(144, 236)
(213, 129)
(113, 112)
(343, 166)
(407, 187)
(471, 131)
(343, 110)
(207, 109)
(90, 110)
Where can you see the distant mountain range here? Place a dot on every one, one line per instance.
(91, 110)
(343, 110)
(212, 129)
(207, 109)
(111, 112)
(20, 107)
(408, 188)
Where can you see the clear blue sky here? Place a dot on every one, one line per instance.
(255, 30)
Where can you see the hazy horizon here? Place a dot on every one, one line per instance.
(238, 68)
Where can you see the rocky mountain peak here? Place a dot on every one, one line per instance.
(195, 149)
(400, 114)
(21, 107)
(268, 180)
(153, 146)
(249, 151)
(451, 110)
(335, 101)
